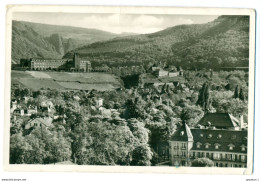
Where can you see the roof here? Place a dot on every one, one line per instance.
(49, 59)
(182, 134)
(46, 103)
(46, 121)
(219, 120)
(224, 138)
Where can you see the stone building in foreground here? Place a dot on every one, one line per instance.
(217, 136)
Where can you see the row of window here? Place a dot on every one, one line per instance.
(219, 156)
(180, 153)
(229, 165)
(35, 124)
(179, 145)
(217, 145)
(219, 136)
(49, 61)
(45, 64)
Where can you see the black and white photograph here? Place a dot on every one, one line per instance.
(137, 88)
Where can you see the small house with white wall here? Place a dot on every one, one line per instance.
(39, 123)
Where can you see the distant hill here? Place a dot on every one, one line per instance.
(51, 41)
(27, 43)
(222, 42)
(80, 35)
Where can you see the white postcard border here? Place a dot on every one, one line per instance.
(129, 10)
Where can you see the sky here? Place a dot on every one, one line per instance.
(115, 23)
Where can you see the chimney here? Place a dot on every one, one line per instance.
(241, 122)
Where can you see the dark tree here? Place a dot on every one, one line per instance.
(241, 94)
(202, 162)
(211, 73)
(142, 156)
(204, 97)
(236, 93)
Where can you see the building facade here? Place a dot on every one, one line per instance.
(39, 123)
(218, 136)
(81, 64)
(76, 63)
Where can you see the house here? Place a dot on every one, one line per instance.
(31, 110)
(173, 74)
(222, 143)
(99, 102)
(13, 105)
(39, 123)
(161, 73)
(105, 112)
(220, 121)
(47, 106)
(18, 112)
(76, 98)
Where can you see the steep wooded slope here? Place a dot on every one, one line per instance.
(223, 41)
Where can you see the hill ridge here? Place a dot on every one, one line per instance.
(223, 41)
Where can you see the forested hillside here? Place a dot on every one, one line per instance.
(27, 43)
(223, 41)
(51, 41)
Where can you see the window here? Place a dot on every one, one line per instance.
(231, 146)
(219, 136)
(229, 156)
(207, 155)
(223, 156)
(198, 154)
(216, 156)
(207, 145)
(176, 145)
(183, 154)
(233, 157)
(217, 146)
(198, 144)
(243, 148)
(183, 145)
(243, 158)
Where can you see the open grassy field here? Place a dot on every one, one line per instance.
(65, 80)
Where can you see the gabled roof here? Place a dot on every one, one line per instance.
(182, 134)
(219, 120)
(224, 138)
(46, 121)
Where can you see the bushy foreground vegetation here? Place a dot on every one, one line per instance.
(135, 131)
